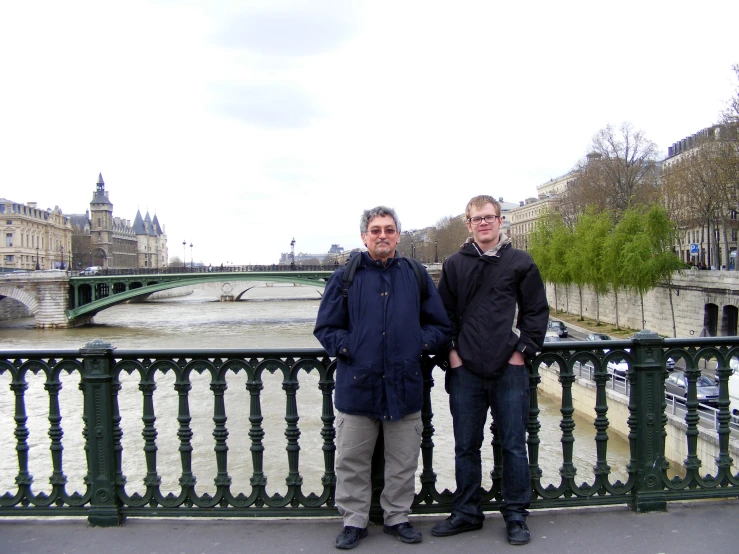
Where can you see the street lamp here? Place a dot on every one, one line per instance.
(413, 250)
(436, 251)
(192, 262)
(37, 264)
(184, 258)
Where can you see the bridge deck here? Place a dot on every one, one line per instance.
(685, 527)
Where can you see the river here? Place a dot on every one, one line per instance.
(279, 316)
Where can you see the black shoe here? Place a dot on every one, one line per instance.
(404, 531)
(453, 525)
(349, 537)
(518, 532)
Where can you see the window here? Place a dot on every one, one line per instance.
(9, 258)
(9, 222)
(8, 239)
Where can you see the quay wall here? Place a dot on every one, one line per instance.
(676, 445)
(691, 291)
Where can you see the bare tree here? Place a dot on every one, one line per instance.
(731, 114)
(621, 171)
(449, 234)
(700, 187)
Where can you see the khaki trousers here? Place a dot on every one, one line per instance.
(355, 442)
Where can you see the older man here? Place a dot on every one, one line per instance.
(378, 326)
(481, 286)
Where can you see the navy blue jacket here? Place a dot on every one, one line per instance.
(378, 334)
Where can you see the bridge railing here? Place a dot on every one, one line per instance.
(176, 270)
(105, 374)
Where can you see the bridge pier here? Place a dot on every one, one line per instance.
(53, 298)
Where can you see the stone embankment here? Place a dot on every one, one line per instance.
(695, 297)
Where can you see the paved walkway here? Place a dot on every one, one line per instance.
(687, 527)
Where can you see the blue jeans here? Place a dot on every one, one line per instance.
(507, 396)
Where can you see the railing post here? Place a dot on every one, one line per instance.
(97, 383)
(647, 422)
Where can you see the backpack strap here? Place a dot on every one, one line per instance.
(350, 268)
(420, 271)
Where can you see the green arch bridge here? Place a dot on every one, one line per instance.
(90, 294)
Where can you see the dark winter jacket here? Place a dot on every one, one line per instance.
(486, 341)
(378, 334)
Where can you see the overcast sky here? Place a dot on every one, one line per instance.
(245, 124)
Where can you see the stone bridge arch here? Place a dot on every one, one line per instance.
(21, 295)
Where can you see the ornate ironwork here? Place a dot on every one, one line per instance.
(107, 500)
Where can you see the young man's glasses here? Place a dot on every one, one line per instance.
(377, 232)
(490, 219)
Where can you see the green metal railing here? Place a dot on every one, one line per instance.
(106, 500)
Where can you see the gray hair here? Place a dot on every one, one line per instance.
(379, 211)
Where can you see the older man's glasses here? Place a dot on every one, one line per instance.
(489, 219)
(389, 232)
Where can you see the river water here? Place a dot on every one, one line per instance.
(271, 317)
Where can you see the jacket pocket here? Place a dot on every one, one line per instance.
(355, 389)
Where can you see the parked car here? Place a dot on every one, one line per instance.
(551, 336)
(707, 391)
(559, 327)
(92, 270)
(734, 390)
(620, 368)
(597, 336)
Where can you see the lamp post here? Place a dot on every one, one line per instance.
(184, 258)
(37, 264)
(192, 262)
(413, 250)
(436, 251)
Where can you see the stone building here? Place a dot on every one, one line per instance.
(34, 238)
(699, 177)
(100, 239)
(524, 217)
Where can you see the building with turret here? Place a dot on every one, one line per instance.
(100, 239)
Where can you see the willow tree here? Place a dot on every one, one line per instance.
(616, 270)
(645, 239)
(575, 261)
(540, 242)
(562, 242)
(592, 232)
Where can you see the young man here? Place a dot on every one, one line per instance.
(481, 286)
(378, 332)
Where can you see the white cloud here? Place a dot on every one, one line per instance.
(244, 125)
